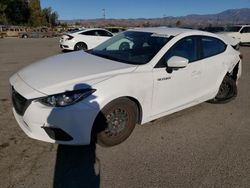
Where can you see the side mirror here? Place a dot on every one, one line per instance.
(177, 62)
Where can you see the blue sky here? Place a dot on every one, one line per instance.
(89, 9)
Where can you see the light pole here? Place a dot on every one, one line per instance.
(104, 13)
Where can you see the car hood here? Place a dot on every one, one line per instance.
(69, 71)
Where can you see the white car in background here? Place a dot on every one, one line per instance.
(84, 39)
(133, 78)
(239, 32)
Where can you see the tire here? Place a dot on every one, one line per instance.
(80, 46)
(227, 91)
(115, 122)
(25, 36)
(124, 46)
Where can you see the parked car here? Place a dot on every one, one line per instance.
(239, 32)
(13, 31)
(42, 32)
(3, 31)
(84, 39)
(214, 29)
(133, 78)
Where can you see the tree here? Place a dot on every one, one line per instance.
(36, 17)
(49, 18)
(3, 19)
(23, 12)
(17, 12)
(54, 19)
(46, 12)
(178, 23)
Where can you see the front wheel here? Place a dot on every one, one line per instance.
(115, 122)
(227, 91)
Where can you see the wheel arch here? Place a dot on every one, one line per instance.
(234, 73)
(139, 108)
(94, 125)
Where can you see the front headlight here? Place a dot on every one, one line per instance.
(67, 98)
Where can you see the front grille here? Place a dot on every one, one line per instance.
(19, 102)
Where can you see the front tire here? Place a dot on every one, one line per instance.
(115, 122)
(227, 91)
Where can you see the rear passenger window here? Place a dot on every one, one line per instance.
(212, 46)
(91, 33)
(104, 33)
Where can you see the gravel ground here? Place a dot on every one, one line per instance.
(204, 146)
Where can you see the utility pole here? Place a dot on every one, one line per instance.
(104, 13)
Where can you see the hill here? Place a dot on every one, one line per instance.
(227, 17)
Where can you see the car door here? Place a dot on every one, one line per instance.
(181, 87)
(213, 62)
(245, 34)
(91, 38)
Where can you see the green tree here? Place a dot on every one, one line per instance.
(3, 19)
(46, 15)
(54, 19)
(36, 17)
(17, 12)
(49, 18)
(26, 12)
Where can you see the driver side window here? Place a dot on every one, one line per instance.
(245, 30)
(186, 47)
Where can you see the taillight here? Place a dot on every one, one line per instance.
(241, 56)
(69, 37)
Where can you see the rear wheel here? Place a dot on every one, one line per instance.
(80, 46)
(115, 122)
(227, 91)
(25, 36)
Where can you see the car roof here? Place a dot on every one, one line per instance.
(170, 31)
(89, 29)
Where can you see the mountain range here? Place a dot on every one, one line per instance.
(227, 17)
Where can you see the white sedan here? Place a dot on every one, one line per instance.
(84, 39)
(133, 78)
(239, 32)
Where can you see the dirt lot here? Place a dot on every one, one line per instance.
(204, 146)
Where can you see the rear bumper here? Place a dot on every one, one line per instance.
(67, 45)
(64, 46)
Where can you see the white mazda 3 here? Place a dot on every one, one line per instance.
(133, 78)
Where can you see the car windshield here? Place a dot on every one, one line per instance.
(234, 29)
(131, 47)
